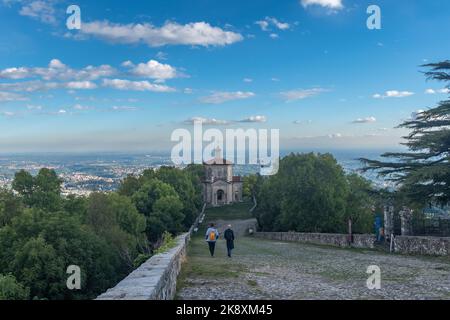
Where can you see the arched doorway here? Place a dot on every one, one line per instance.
(220, 197)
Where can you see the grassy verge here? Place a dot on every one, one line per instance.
(238, 211)
(199, 263)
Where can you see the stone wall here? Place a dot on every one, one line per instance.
(339, 240)
(422, 245)
(402, 244)
(155, 279)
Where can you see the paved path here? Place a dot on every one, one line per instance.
(262, 269)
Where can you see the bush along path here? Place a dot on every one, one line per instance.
(263, 269)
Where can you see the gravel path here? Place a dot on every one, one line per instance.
(262, 269)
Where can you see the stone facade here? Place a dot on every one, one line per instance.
(220, 186)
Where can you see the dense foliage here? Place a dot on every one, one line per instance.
(423, 173)
(312, 193)
(105, 234)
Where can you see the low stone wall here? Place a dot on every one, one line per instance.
(339, 240)
(422, 245)
(155, 279)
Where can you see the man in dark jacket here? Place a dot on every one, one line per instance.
(229, 237)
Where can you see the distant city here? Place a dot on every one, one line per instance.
(86, 173)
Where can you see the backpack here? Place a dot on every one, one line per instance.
(212, 235)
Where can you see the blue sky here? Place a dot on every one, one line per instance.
(139, 69)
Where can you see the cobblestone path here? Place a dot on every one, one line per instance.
(262, 269)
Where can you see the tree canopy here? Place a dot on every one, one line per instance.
(105, 234)
(423, 173)
(312, 193)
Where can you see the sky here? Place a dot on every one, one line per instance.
(138, 70)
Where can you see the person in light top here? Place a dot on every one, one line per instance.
(211, 237)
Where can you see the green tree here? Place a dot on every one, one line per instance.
(10, 289)
(360, 202)
(182, 182)
(38, 246)
(10, 207)
(250, 185)
(129, 186)
(423, 173)
(115, 219)
(151, 191)
(162, 206)
(311, 193)
(23, 183)
(42, 191)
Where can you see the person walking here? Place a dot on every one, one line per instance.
(211, 237)
(229, 237)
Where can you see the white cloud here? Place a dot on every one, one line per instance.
(206, 121)
(330, 4)
(8, 96)
(127, 63)
(300, 94)
(39, 10)
(123, 108)
(14, 73)
(8, 113)
(171, 33)
(85, 85)
(29, 86)
(120, 84)
(270, 21)
(57, 64)
(38, 85)
(248, 80)
(161, 55)
(278, 24)
(81, 107)
(217, 122)
(154, 70)
(264, 25)
(34, 107)
(335, 136)
(433, 91)
(57, 70)
(274, 36)
(365, 120)
(221, 97)
(254, 119)
(393, 94)
(300, 122)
